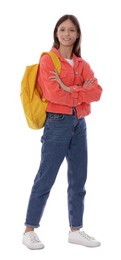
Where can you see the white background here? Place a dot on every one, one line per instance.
(26, 30)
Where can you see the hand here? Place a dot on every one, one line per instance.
(56, 78)
(88, 82)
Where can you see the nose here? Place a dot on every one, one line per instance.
(67, 32)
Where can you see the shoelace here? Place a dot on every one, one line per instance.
(86, 235)
(34, 238)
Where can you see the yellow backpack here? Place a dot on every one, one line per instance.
(31, 94)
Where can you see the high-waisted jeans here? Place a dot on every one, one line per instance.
(64, 136)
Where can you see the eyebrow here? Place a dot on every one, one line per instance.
(69, 27)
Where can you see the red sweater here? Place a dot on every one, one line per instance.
(61, 101)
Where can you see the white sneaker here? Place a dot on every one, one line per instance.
(81, 238)
(31, 240)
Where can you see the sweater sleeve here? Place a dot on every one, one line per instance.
(90, 93)
(51, 89)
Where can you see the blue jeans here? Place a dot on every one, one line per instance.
(64, 136)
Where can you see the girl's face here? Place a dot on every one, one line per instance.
(67, 33)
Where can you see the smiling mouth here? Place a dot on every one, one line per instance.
(66, 39)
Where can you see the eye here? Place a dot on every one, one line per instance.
(62, 29)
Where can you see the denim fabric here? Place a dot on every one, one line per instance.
(64, 136)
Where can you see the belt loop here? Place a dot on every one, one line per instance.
(74, 110)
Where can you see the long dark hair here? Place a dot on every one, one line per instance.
(77, 44)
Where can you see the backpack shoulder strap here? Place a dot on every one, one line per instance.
(55, 59)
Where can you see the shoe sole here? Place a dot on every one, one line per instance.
(76, 243)
(33, 248)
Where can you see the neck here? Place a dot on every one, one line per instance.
(66, 53)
